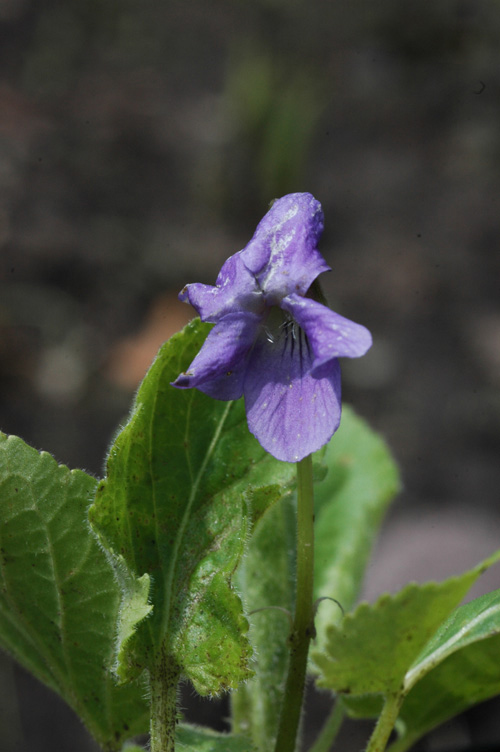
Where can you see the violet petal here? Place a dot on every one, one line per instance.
(219, 366)
(235, 290)
(283, 252)
(330, 334)
(290, 412)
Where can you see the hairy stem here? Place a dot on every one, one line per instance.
(164, 679)
(303, 626)
(385, 724)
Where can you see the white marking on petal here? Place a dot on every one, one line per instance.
(277, 246)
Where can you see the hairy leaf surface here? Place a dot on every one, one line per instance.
(185, 482)
(59, 600)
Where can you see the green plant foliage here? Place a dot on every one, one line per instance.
(375, 646)
(59, 600)
(185, 482)
(360, 481)
(256, 705)
(350, 503)
(458, 667)
(197, 739)
(470, 623)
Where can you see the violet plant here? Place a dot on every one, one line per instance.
(226, 544)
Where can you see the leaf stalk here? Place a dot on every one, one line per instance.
(385, 724)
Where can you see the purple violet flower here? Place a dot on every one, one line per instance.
(272, 342)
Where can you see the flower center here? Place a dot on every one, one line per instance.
(281, 330)
(275, 323)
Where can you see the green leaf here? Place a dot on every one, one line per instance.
(361, 480)
(374, 647)
(359, 468)
(350, 503)
(458, 668)
(197, 739)
(59, 600)
(266, 580)
(470, 623)
(185, 482)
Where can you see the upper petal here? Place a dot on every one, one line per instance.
(235, 290)
(330, 335)
(218, 369)
(289, 411)
(283, 252)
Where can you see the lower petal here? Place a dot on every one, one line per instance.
(219, 367)
(291, 413)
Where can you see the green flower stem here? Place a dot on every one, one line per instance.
(329, 732)
(164, 679)
(385, 724)
(303, 623)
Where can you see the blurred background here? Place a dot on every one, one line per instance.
(140, 144)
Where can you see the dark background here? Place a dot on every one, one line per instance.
(140, 144)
